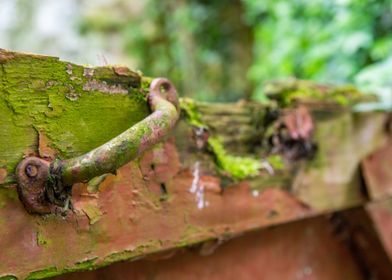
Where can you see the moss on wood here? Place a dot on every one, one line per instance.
(286, 92)
(77, 108)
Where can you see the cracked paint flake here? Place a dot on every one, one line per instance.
(88, 72)
(95, 85)
(197, 187)
(92, 212)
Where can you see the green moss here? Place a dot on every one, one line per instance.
(190, 234)
(53, 271)
(129, 254)
(44, 273)
(276, 162)
(8, 277)
(42, 240)
(192, 114)
(292, 90)
(234, 166)
(119, 256)
(84, 265)
(145, 83)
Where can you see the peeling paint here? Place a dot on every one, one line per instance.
(93, 85)
(93, 213)
(72, 95)
(69, 69)
(88, 72)
(197, 187)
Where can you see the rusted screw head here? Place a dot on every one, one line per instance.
(31, 170)
(32, 174)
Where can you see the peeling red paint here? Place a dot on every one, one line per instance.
(301, 250)
(161, 163)
(129, 217)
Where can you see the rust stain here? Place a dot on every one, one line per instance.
(3, 175)
(44, 150)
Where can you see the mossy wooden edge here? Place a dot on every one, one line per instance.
(60, 105)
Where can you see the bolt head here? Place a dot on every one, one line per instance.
(31, 170)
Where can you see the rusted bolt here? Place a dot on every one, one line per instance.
(32, 175)
(31, 171)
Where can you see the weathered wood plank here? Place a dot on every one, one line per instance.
(217, 176)
(307, 249)
(76, 108)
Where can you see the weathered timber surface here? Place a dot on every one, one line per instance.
(77, 108)
(307, 249)
(214, 178)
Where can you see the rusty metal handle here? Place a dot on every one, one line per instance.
(45, 187)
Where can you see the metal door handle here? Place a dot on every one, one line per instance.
(45, 187)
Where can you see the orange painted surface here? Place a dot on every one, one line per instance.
(306, 249)
(127, 217)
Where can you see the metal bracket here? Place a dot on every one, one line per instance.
(45, 187)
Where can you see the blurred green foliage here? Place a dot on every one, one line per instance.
(225, 50)
(335, 41)
(205, 47)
